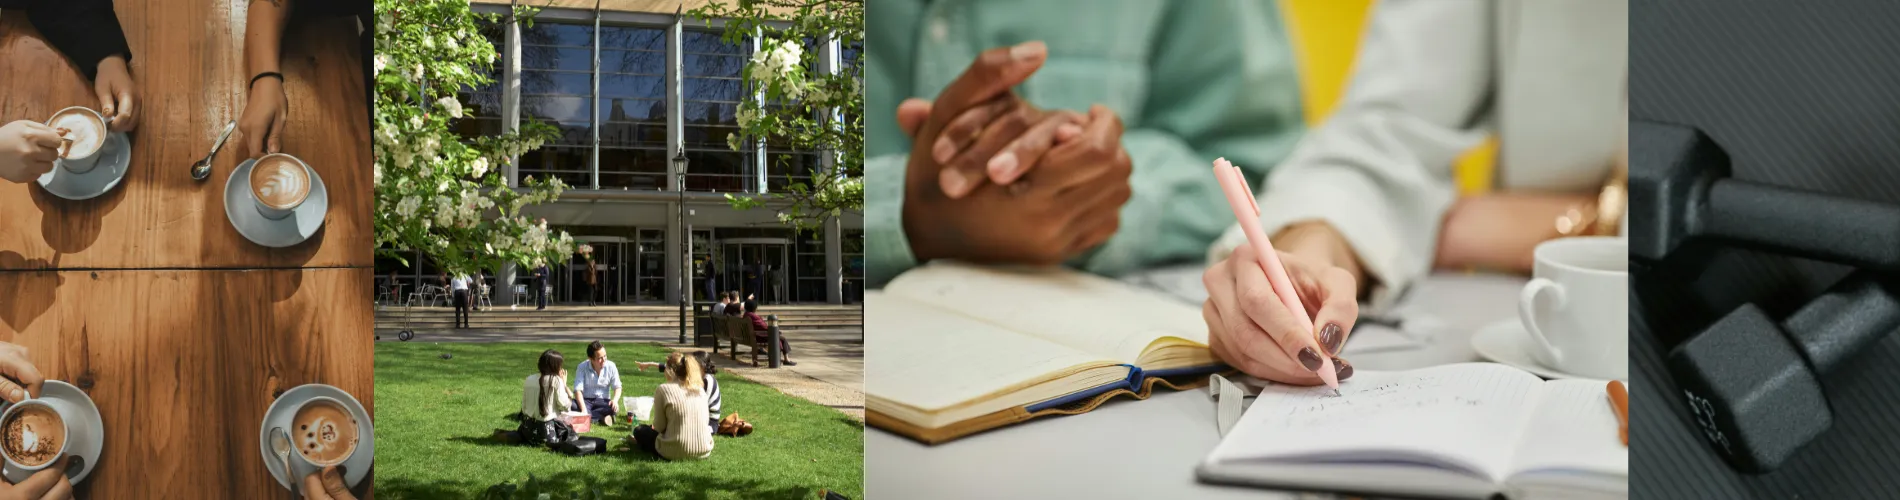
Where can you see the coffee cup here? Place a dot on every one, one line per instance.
(87, 132)
(33, 433)
(323, 433)
(1576, 308)
(279, 184)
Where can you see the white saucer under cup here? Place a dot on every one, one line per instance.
(85, 429)
(112, 161)
(355, 469)
(240, 208)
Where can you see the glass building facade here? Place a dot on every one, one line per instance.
(630, 92)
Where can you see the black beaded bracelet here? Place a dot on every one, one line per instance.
(260, 76)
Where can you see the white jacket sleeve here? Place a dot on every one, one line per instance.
(1379, 169)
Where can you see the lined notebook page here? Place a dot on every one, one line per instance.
(1087, 312)
(1469, 414)
(1572, 429)
(930, 359)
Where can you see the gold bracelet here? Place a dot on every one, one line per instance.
(1578, 220)
(1612, 203)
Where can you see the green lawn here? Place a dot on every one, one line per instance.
(434, 418)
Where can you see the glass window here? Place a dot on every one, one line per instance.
(560, 58)
(633, 169)
(558, 34)
(710, 90)
(564, 162)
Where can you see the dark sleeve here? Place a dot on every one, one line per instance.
(85, 30)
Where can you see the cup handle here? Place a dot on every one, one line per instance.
(1527, 312)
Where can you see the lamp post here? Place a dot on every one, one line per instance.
(686, 244)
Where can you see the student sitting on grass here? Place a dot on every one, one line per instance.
(544, 394)
(597, 387)
(678, 430)
(712, 388)
(761, 333)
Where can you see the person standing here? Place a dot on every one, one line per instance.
(593, 281)
(541, 287)
(459, 286)
(597, 388)
(712, 278)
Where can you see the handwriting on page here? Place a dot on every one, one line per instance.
(1405, 395)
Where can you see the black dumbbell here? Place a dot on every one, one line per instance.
(1753, 386)
(1679, 190)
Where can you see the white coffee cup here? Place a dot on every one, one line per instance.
(283, 206)
(82, 163)
(1577, 307)
(66, 429)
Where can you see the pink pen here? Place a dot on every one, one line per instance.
(1240, 196)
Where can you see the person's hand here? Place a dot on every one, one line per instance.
(118, 96)
(47, 484)
(326, 484)
(262, 122)
(27, 149)
(999, 140)
(1250, 329)
(19, 380)
(1078, 190)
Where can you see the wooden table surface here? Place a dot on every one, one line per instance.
(182, 331)
(188, 61)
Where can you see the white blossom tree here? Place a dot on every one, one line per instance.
(810, 111)
(435, 191)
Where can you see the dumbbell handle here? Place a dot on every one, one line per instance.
(1860, 233)
(1853, 314)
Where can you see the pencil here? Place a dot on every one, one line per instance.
(1620, 404)
(1247, 210)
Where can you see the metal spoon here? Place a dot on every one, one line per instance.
(202, 169)
(280, 442)
(75, 466)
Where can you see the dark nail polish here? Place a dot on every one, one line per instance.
(1310, 359)
(1330, 337)
(1344, 368)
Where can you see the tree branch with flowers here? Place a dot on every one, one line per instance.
(809, 111)
(435, 191)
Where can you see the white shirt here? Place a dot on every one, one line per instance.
(458, 283)
(531, 399)
(719, 308)
(1432, 80)
(597, 385)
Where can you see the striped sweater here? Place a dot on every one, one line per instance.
(712, 403)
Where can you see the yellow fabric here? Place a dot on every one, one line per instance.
(1325, 39)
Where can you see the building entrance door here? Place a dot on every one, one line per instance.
(755, 266)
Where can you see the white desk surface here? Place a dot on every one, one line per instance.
(1148, 449)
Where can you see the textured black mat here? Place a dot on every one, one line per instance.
(1802, 94)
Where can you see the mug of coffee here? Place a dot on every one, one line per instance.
(85, 137)
(279, 184)
(1577, 306)
(32, 434)
(324, 434)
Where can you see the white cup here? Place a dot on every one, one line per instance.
(1577, 307)
(278, 213)
(83, 164)
(64, 421)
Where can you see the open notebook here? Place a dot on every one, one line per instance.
(1468, 430)
(954, 349)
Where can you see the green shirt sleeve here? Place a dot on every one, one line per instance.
(1222, 83)
(886, 248)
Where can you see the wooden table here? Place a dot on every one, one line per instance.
(182, 331)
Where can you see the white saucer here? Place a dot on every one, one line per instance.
(88, 436)
(1507, 342)
(355, 468)
(296, 228)
(105, 175)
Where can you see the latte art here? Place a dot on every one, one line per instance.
(84, 131)
(324, 433)
(280, 181)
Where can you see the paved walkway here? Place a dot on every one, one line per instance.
(830, 367)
